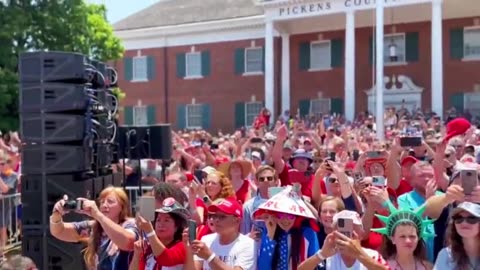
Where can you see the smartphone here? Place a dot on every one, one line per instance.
(469, 179)
(378, 181)
(198, 174)
(272, 191)
(192, 230)
(256, 140)
(345, 226)
(374, 154)
(146, 207)
(355, 154)
(410, 141)
(332, 156)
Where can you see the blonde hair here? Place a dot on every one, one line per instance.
(93, 242)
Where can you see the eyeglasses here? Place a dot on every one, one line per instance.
(470, 219)
(266, 179)
(285, 216)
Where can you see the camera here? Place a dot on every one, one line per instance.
(73, 205)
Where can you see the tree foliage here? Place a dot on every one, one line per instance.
(53, 25)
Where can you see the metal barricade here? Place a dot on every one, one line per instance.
(10, 222)
(134, 192)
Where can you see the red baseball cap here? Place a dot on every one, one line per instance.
(408, 160)
(228, 206)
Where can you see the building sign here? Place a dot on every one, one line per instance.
(325, 7)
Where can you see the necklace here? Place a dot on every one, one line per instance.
(401, 268)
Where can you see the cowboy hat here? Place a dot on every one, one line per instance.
(245, 165)
(171, 206)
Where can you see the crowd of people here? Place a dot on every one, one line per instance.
(302, 194)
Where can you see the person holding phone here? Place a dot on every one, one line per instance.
(162, 248)
(341, 252)
(111, 232)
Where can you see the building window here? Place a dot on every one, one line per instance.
(320, 55)
(394, 48)
(194, 64)
(140, 116)
(194, 116)
(139, 68)
(253, 60)
(320, 106)
(471, 43)
(252, 109)
(471, 102)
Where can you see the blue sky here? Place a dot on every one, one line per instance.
(119, 9)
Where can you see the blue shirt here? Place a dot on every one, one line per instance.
(248, 208)
(412, 200)
(120, 259)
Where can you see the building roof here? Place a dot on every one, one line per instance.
(177, 12)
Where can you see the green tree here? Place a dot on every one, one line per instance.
(54, 25)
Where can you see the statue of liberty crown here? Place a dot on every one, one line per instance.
(398, 216)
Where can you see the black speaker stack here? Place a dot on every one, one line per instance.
(67, 110)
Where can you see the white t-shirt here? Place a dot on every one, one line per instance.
(241, 252)
(336, 263)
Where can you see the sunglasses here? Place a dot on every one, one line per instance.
(285, 216)
(332, 180)
(470, 219)
(266, 179)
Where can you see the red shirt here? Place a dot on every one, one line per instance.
(403, 187)
(243, 191)
(171, 256)
(306, 187)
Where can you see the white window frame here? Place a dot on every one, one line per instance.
(473, 57)
(247, 123)
(254, 72)
(140, 120)
(188, 125)
(472, 98)
(328, 100)
(139, 77)
(329, 66)
(193, 76)
(386, 42)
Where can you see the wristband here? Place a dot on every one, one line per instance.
(210, 259)
(150, 234)
(319, 255)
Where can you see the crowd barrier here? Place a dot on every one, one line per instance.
(10, 222)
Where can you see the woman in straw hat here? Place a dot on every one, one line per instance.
(288, 239)
(238, 171)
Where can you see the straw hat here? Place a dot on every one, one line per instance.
(245, 165)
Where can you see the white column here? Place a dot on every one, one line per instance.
(437, 58)
(285, 72)
(350, 66)
(379, 67)
(269, 71)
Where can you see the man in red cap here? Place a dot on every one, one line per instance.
(226, 248)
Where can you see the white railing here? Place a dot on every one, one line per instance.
(134, 193)
(10, 222)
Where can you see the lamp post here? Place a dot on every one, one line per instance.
(379, 71)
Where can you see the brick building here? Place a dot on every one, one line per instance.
(215, 63)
